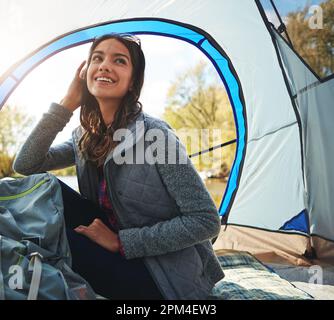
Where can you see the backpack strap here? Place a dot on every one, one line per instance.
(2, 285)
(35, 265)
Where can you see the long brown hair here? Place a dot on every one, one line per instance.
(97, 141)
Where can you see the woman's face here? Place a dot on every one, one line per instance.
(109, 74)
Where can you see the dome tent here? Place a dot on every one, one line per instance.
(278, 197)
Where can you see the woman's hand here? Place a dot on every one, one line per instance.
(98, 232)
(73, 96)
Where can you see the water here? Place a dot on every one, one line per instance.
(216, 188)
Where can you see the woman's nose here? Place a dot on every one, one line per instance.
(105, 66)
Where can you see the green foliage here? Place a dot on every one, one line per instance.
(316, 46)
(14, 126)
(199, 110)
(6, 163)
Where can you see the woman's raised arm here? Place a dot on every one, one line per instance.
(36, 155)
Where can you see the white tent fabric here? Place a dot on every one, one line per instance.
(318, 115)
(271, 186)
(298, 74)
(315, 104)
(266, 188)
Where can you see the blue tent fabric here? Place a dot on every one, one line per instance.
(298, 223)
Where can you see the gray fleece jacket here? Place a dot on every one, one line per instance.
(165, 212)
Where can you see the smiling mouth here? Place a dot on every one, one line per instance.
(104, 80)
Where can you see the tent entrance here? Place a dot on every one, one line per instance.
(161, 27)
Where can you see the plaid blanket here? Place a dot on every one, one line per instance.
(246, 278)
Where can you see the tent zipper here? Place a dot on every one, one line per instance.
(24, 193)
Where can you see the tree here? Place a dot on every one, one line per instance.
(199, 109)
(14, 126)
(316, 46)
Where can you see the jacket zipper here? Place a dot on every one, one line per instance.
(24, 193)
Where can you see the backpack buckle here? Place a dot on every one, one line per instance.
(34, 254)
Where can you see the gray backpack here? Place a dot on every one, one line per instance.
(35, 257)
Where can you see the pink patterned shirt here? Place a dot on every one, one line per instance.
(107, 206)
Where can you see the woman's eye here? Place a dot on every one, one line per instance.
(96, 58)
(120, 60)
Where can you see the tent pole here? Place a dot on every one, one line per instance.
(282, 27)
(213, 148)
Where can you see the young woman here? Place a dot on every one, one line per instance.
(136, 230)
